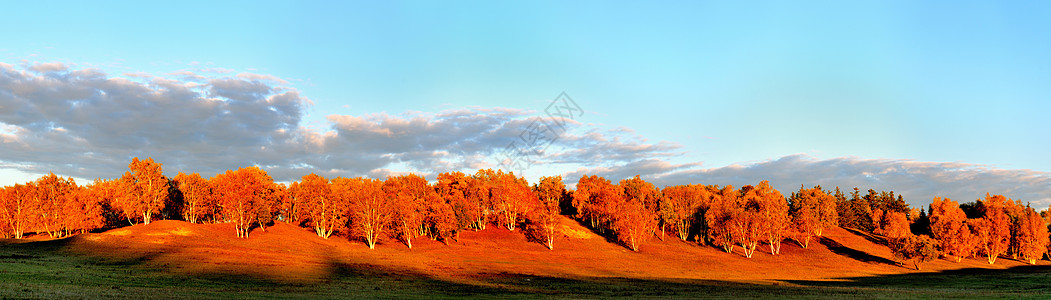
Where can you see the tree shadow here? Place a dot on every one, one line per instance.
(855, 254)
(875, 239)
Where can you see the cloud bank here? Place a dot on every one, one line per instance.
(85, 123)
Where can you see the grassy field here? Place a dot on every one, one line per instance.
(43, 269)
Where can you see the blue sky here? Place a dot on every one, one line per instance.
(928, 99)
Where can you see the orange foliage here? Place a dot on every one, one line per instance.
(634, 223)
(813, 210)
(409, 195)
(143, 191)
(512, 199)
(895, 225)
(545, 217)
(996, 228)
(370, 210)
(240, 194)
(323, 208)
(772, 211)
(946, 226)
(198, 197)
(18, 206)
(720, 216)
(681, 204)
(1032, 236)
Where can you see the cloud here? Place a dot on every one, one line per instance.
(917, 181)
(85, 123)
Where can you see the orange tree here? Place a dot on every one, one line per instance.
(240, 192)
(545, 217)
(946, 221)
(680, 206)
(143, 191)
(720, 216)
(408, 194)
(997, 226)
(370, 210)
(198, 197)
(512, 199)
(323, 207)
(1032, 235)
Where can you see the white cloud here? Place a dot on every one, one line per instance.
(917, 181)
(87, 124)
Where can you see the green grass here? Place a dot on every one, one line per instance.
(44, 270)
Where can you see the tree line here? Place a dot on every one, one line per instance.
(631, 211)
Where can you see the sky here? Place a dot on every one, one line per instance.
(931, 98)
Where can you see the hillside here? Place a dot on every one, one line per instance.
(285, 253)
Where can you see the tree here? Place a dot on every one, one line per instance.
(240, 192)
(512, 199)
(680, 206)
(946, 222)
(996, 226)
(550, 190)
(322, 203)
(636, 189)
(1032, 236)
(53, 193)
(634, 224)
(773, 214)
(454, 188)
(720, 216)
(144, 191)
(408, 193)
(855, 212)
(895, 225)
(84, 211)
(917, 249)
(812, 211)
(597, 200)
(370, 209)
(18, 205)
(198, 197)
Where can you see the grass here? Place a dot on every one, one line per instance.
(44, 270)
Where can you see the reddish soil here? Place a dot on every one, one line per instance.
(288, 253)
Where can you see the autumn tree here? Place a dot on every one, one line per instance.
(53, 194)
(895, 225)
(681, 205)
(1032, 236)
(772, 211)
(324, 208)
(915, 248)
(996, 227)
(143, 191)
(634, 224)
(597, 201)
(292, 204)
(812, 210)
(454, 188)
(198, 197)
(512, 199)
(637, 189)
(550, 191)
(720, 217)
(18, 206)
(370, 210)
(946, 221)
(408, 194)
(84, 211)
(240, 192)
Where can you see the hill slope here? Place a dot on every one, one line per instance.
(287, 253)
